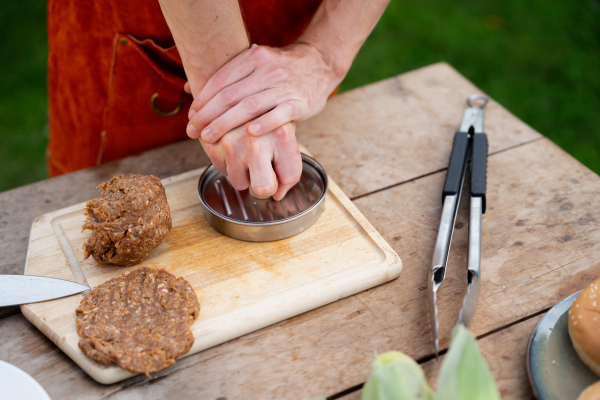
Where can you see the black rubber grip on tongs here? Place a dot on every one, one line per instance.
(479, 167)
(456, 167)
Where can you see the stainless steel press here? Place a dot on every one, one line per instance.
(239, 215)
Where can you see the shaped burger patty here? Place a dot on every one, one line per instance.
(140, 320)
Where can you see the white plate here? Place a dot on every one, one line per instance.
(555, 371)
(16, 384)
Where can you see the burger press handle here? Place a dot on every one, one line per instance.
(470, 140)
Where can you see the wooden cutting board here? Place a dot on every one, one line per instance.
(241, 286)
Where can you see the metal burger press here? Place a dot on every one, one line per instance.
(470, 148)
(239, 215)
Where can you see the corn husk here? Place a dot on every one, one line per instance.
(395, 376)
(464, 374)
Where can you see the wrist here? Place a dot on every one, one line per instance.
(336, 66)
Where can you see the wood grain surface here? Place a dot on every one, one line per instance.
(241, 286)
(400, 129)
(387, 145)
(505, 353)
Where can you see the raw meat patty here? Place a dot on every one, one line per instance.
(130, 219)
(140, 320)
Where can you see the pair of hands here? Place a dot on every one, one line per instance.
(244, 116)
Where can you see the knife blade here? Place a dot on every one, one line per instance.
(24, 289)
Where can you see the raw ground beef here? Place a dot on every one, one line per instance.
(140, 320)
(128, 221)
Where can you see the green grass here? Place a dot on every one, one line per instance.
(539, 59)
(23, 92)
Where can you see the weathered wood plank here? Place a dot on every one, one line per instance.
(401, 128)
(540, 241)
(253, 366)
(332, 347)
(505, 353)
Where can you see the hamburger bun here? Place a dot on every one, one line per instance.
(584, 326)
(592, 392)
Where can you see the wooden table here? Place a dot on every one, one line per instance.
(387, 145)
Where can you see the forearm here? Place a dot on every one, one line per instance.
(207, 34)
(339, 29)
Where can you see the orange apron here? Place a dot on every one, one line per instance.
(115, 78)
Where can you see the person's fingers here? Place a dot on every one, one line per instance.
(222, 102)
(238, 175)
(262, 177)
(231, 152)
(216, 156)
(244, 111)
(191, 131)
(187, 88)
(287, 161)
(221, 167)
(233, 71)
(282, 114)
(256, 196)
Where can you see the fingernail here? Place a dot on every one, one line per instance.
(255, 128)
(263, 189)
(207, 134)
(191, 131)
(191, 113)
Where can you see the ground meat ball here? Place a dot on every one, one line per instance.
(140, 320)
(130, 219)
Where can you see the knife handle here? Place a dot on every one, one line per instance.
(458, 162)
(479, 167)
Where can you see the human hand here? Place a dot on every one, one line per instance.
(271, 162)
(268, 86)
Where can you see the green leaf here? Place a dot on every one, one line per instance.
(464, 374)
(395, 376)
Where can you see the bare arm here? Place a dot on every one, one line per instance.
(339, 29)
(274, 86)
(207, 33)
(245, 112)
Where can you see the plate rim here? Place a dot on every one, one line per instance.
(532, 383)
(31, 379)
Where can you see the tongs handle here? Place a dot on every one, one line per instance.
(457, 165)
(479, 167)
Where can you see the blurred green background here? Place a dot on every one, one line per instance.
(539, 59)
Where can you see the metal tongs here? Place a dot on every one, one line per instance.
(468, 141)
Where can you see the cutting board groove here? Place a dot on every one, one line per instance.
(241, 286)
